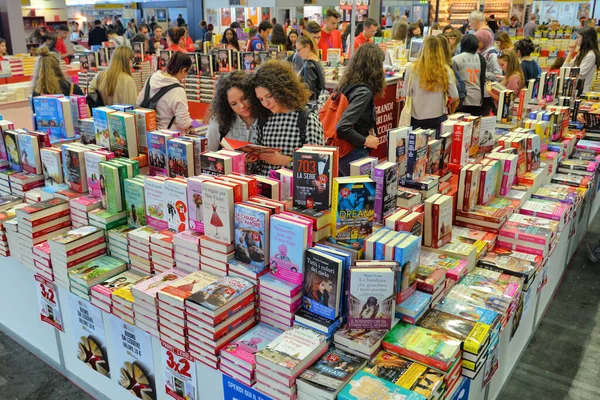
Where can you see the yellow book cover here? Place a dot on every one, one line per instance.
(476, 338)
(352, 209)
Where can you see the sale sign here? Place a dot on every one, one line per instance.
(48, 298)
(180, 373)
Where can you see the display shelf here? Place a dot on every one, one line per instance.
(30, 22)
(500, 9)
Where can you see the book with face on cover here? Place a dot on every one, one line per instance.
(29, 147)
(312, 179)
(397, 147)
(242, 351)
(371, 299)
(288, 243)
(102, 129)
(135, 201)
(385, 176)
(52, 166)
(252, 234)
(157, 152)
(123, 134)
(96, 270)
(177, 205)
(323, 284)
(75, 166)
(220, 295)
(181, 158)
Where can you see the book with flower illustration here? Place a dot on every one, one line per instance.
(123, 134)
(292, 351)
(371, 298)
(423, 345)
(96, 271)
(242, 351)
(365, 386)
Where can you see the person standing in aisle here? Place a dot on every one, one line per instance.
(277, 36)
(588, 56)
(431, 85)
(231, 113)
(331, 37)
(230, 39)
(493, 72)
(313, 30)
(116, 85)
(281, 94)
(531, 69)
(180, 20)
(144, 30)
(172, 108)
(454, 38)
(471, 68)
(477, 22)
(312, 71)
(370, 27)
(48, 77)
(260, 41)
(492, 23)
(363, 79)
(208, 36)
(400, 31)
(158, 39)
(61, 47)
(503, 40)
(203, 30)
(290, 43)
(530, 27)
(174, 36)
(513, 75)
(187, 41)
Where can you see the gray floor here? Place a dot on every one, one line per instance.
(23, 376)
(562, 359)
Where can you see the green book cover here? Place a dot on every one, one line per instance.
(135, 203)
(110, 172)
(97, 270)
(125, 171)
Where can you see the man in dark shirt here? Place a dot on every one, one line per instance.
(492, 23)
(180, 20)
(97, 35)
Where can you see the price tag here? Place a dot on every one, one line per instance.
(48, 298)
(180, 373)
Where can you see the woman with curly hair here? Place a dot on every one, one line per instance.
(280, 93)
(363, 80)
(230, 39)
(231, 115)
(429, 82)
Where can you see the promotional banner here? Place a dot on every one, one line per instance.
(88, 334)
(234, 390)
(133, 367)
(48, 298)
(180, 373)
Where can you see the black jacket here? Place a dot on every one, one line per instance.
(96, 36)
(313, 75)
(65, 88)
(359, 117)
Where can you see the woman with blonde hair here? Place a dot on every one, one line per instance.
(431, 85)
(48, 77)
(513, 75)
(454, 37)
(504, 42)
(312, 72)
(116, 85)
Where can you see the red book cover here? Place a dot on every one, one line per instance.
(457, 144)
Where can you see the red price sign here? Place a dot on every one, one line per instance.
(49, 308)
(180, 373)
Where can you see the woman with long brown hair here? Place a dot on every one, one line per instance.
(116, 85)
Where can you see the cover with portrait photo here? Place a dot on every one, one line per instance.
(322, 284)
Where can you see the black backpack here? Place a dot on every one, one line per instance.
(94, 100)
(150, 102)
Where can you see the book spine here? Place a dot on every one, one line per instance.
(411, 156)
(457, 145)
(481, 198)
(467, 193)
(436, 223)
(379, 178)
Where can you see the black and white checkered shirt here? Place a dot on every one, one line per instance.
(281, 131)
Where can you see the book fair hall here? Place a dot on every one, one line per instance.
(260, 200)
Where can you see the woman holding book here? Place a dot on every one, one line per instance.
(230, 39)
(280, 94)
(231, 114)
(312, 72)
(48, 77)
(588, 56)
(513, 76)
(172, 108)
(363, 79)
(431, 85)
(116, 85)
(174, 36)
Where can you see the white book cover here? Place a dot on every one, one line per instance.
(52, 166)
(177, 207)
(155, 203)
(218, 211)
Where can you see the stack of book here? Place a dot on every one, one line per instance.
(161, 251)
(187, 250)
(8, 206)
(524, 237)
(413, 308)
(438, 221)
(92, 272)
(361, 342)
(279, 301)
(40, 222)
(217, 314)
(139, 250)
(145, 300)
(285, 358)
(238, 358)
(435, 350)
(123, 302)
(72, 248)
(215, 255)
(80, 206)
(171, 307)
(11, 227)
(105, 219)
(22, 182)
(102, 293)
(118, 245)
(42, 260)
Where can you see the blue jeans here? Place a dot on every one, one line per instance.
(356, 154)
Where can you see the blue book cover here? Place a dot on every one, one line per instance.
(280, 286)
(469, 311)
(407, 254)
(100, 115)
(352, 210)
(323, 284)
(381, 242)
(251, 241)
(346, 264)
(177, 153)
(122, 107)
(414, 305)
(288, 244)
(366, 386)
(317, 322)
(157, 153)
(49, 117)
(11, 141)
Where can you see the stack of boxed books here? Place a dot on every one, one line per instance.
(92, 272)
(139, 249)
(187, 250)
(161, 251)
(80, 206)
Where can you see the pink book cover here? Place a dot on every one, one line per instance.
(86, 201)
(549, 210)
(238, 160)
(526, 233)
(191, 238)
(42, 250)
(304, 221)
(523, 248)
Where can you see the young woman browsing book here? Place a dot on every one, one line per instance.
(230, 39)
(115, 85)
(48, 77)
(312, 72)
(279, 91)
(172, 108)
(174, 36)
(363, 80)
(431, 84)
(231, 113)
(588, 56)
(513, 75)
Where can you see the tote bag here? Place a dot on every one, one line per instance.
(406, 113)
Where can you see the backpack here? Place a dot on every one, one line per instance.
(330, 115)
(317, 103)
(302, 121)
(150, 102)
(94, 100)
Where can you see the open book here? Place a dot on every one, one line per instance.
(246, 147)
